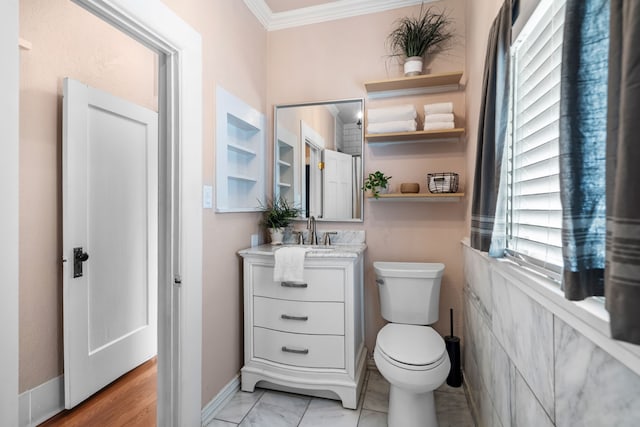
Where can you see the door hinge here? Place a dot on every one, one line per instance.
(321, 165)
(177, 280)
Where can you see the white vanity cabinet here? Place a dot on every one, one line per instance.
(305, 337)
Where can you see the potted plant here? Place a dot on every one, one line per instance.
(414, 37)
(278, 214)
(376, 182)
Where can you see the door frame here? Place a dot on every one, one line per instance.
(154, 25)
(9, 162)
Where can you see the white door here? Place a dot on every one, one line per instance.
(110, 211)
(337, 185)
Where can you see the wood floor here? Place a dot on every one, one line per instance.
(128, 401)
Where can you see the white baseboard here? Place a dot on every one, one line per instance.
(41, 402)
(211, 409)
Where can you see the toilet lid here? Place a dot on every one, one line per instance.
(411, 344)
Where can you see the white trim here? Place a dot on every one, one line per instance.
(589, 317)
(219, 401)
(180, 215)
(322, 13)
(41, 402)
(9, 222)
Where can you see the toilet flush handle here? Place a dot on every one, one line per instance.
(380, 281)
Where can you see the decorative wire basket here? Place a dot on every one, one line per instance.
(442, 182)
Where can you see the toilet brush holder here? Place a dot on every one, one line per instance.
(452, 344)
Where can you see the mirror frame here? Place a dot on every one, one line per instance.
(276, 155)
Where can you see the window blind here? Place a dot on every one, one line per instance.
(534, 211)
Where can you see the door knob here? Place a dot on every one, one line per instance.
(79, 256)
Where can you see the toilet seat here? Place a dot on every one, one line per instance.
(411, 347)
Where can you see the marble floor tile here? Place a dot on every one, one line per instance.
(372, 419)
(239, 406)
(376, 397)
(325, 412)
(452, 410)
(445, 388)
(220, 423)
(275, 409)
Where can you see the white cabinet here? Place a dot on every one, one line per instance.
(305, 337)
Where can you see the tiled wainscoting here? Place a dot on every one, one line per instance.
(526, 366)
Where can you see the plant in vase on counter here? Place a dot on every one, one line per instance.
(376, 182)
(278, 214)
(415, 37)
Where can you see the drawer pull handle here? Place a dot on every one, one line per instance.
(293, 285)
(380, 281)
(288, 317)
(295, 350)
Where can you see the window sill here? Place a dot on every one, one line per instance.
(589, 317)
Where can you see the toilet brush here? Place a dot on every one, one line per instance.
(453, 348)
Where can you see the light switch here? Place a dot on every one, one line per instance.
(207, 196)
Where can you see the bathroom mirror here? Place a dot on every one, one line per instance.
(318, 158)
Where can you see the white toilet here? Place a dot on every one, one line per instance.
(409, 354)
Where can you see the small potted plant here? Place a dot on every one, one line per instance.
(415, 37)
(376, 182)
(278, 214)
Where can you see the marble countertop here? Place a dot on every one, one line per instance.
(315, 251)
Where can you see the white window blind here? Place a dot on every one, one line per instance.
(534, 212)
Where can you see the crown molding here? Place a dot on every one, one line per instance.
(322, 13)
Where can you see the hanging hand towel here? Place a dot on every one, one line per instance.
(438, 126)
(289, 264)
(397, 126)
(434, 118)
(392, 114)
(439, 108)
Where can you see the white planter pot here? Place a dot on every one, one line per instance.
(275, 235)
(413, 66)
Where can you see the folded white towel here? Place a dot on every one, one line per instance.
(438, 126)
(289, 264)
(435, 118)
(439, 108)
(396, 126)
(392, 114)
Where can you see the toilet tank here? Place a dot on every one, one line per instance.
(409, 291)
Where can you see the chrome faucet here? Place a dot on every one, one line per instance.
(311, 226)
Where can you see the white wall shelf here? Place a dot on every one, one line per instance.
(240, 155)
(240, 149)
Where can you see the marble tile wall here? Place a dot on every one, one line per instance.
(524, 366)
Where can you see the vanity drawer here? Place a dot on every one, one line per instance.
(299, 316)
(320, 284)
(311, 351)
